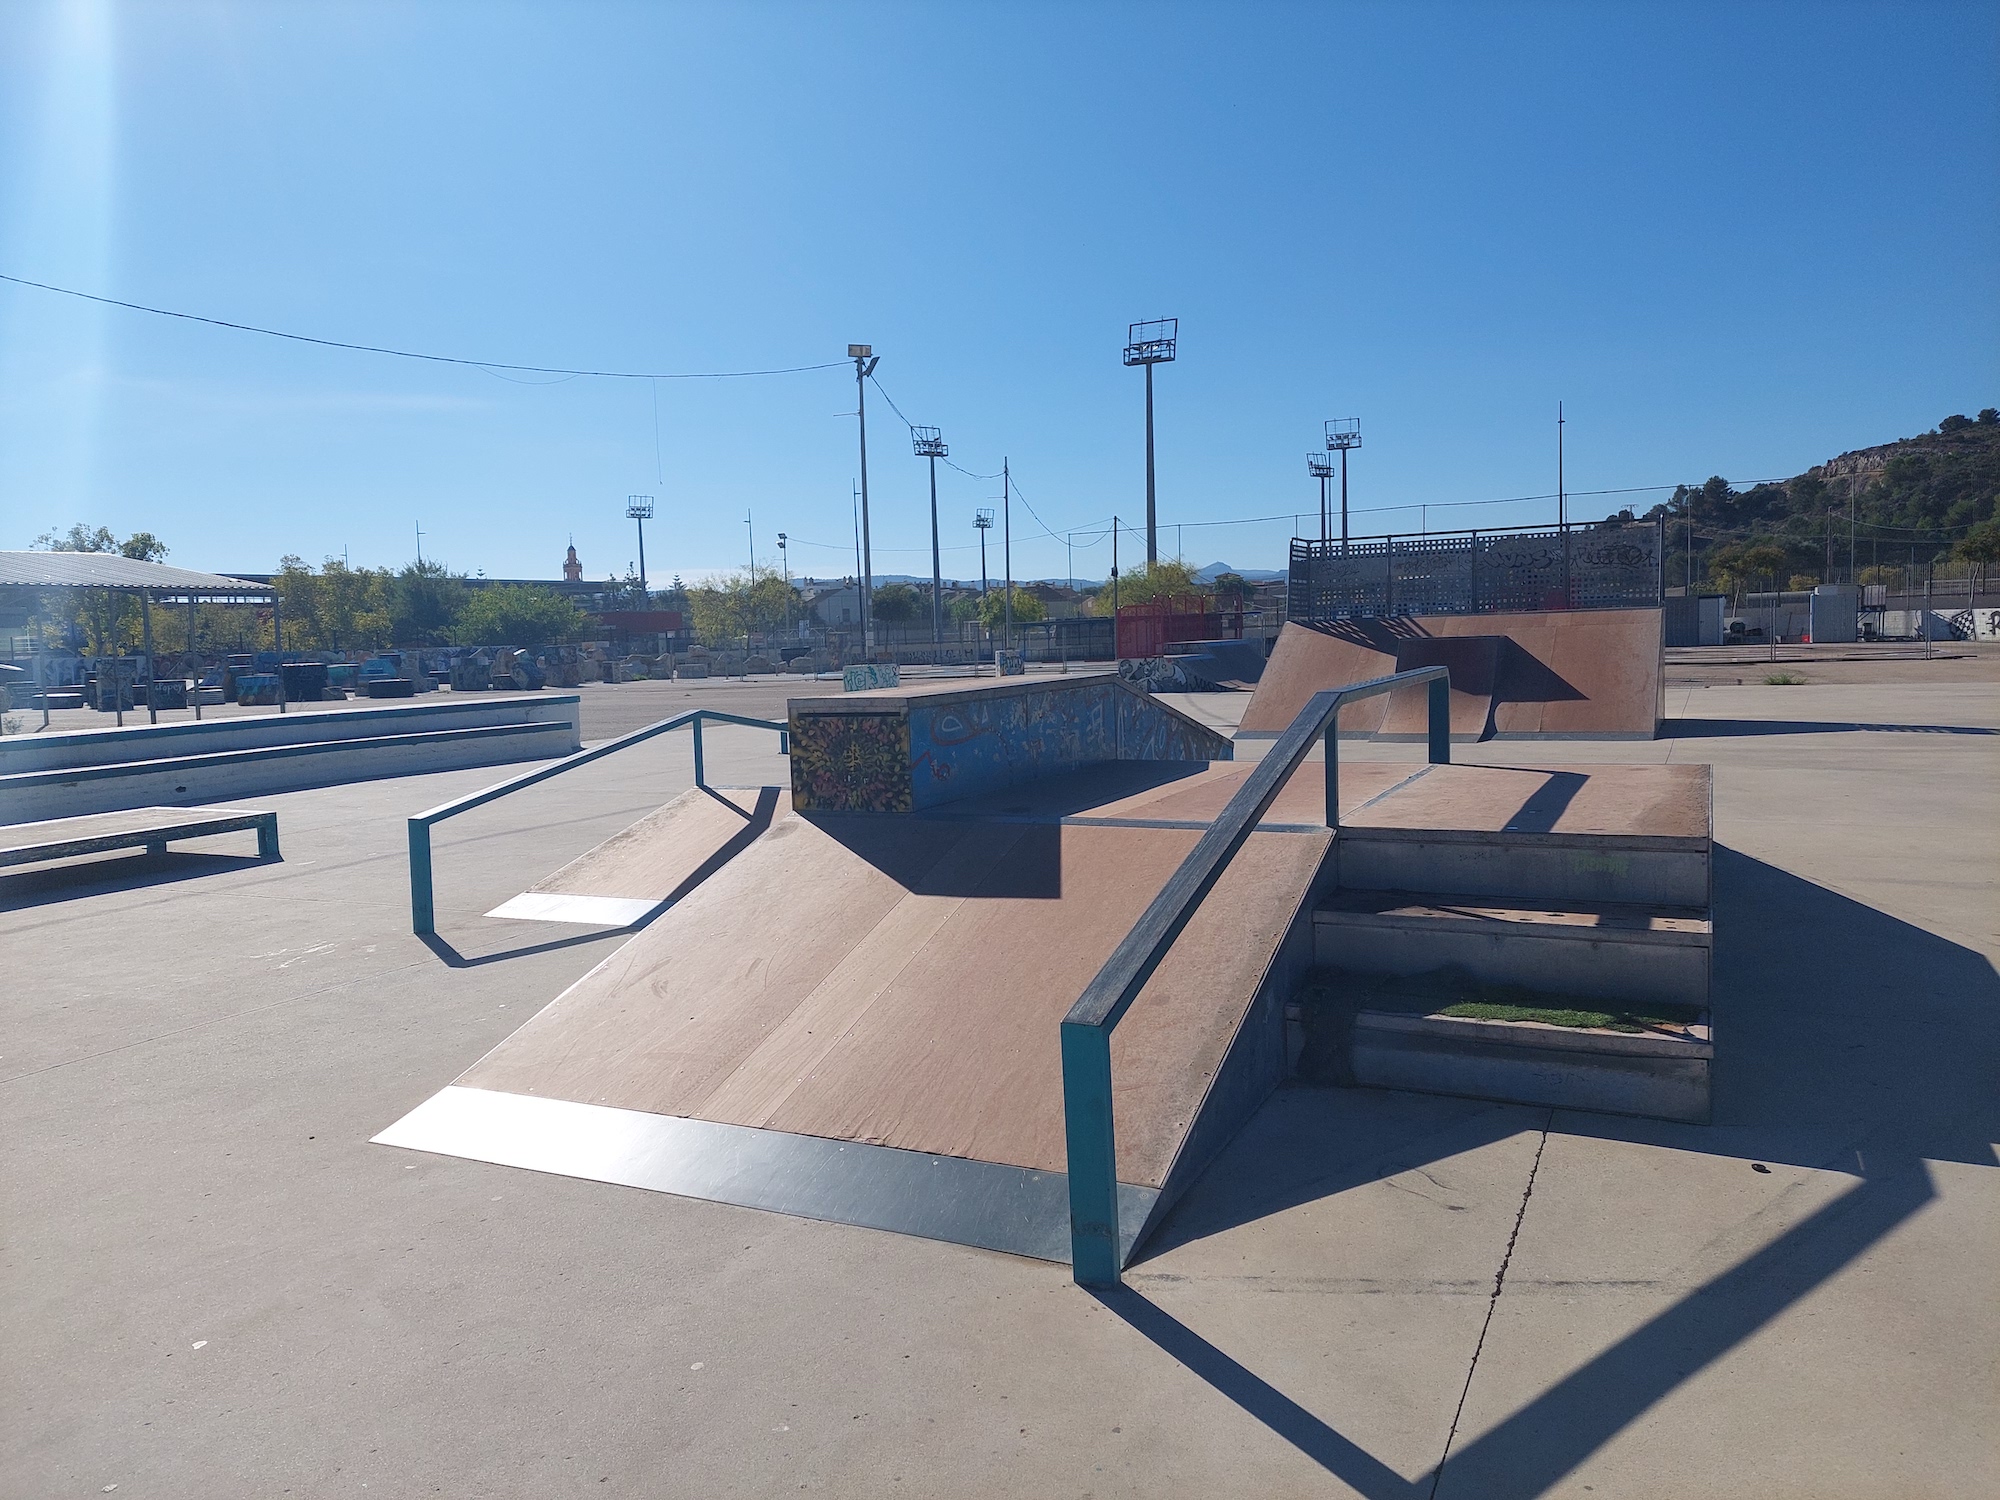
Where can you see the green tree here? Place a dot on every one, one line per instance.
(112, 622)
(517, 615)
(1168, 578)
(1740, 566)
(964, 607)
(738, 605)
(993, 608)
(424, 600)
(897, 604)
(1981, 545)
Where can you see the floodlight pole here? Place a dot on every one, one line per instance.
(1321, 468)
(640, 508)
(928, 443)
(865, 362)
(1151, 343)
(1343, 434)
(1007, 551)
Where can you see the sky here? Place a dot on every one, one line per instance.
(1733, 239)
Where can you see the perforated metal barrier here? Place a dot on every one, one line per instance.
(1614, 565)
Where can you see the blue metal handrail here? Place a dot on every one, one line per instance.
(423, 917)
(1086, 1030)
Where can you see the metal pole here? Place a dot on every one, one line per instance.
(423, 918)
(643, 600)
(1323, 518)
(1007, 545)
(867, 552)
(278, 643)
(194, 662)
(1152, 519)
(1114, 588)
(937, 568)
(146, 626)
(1343, 502)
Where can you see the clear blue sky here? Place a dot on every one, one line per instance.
(1735, 238)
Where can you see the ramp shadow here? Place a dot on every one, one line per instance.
(1809, 1075)
(1709, 729)
(22, 889)
(916, 852)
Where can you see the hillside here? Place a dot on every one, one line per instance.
(1911, 502)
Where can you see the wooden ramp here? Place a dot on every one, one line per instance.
(1578, 674)
(856, 1018)
(633, 874)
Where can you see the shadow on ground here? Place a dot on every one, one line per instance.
(1710, 729)
(118, 872)
(1847, 1041)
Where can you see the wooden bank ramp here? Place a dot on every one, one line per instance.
(855, 1018)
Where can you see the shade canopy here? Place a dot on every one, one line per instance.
(108, 570)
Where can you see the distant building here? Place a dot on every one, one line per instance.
(572, 569)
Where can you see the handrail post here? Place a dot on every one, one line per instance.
(698, 772)
(1092, 1152)
(1333, 771)
(423, 919)
(1440, 706)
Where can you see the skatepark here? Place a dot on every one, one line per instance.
(1329, 1283)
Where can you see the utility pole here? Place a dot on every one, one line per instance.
(1562, 500)
(983, 519)
(929, 444)
(785, 562)
(753, 547)
(1007, 549)
(1151, 343)
(855, 500)
(865, 362)
(1114, 587)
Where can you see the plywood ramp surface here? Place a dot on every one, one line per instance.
(902, 981)
(1571, 673)
(1666, 802)
(652, 858)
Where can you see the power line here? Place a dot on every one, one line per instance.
(436, 359)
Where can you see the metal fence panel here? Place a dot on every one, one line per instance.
(1602, 566)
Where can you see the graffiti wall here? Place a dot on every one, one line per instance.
(851, 762)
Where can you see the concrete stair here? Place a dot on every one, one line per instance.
(1598, 905)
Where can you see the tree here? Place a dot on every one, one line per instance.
(964, 607)
(1738, 565)
(423, 601)
(1168, 578)
(897, 604)
(1954, 423)
(737, 605)
(517, 615)
(112, 620)
(1981, 545)
(993, 608)
(626, 593)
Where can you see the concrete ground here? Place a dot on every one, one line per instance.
(215, 1287)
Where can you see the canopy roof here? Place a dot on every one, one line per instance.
(107, 570)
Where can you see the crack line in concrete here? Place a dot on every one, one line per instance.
(1492, 1302)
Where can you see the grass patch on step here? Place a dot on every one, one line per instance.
(1783, 679)
(1601, 1020)
(1329, 999)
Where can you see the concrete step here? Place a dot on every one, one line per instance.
(1662, 1075)
(1599, 951)
(1629, 869)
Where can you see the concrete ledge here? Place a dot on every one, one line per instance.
(1524, 1062)
(74, 749)
(223, 776)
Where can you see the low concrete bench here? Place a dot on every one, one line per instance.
(149, 828)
